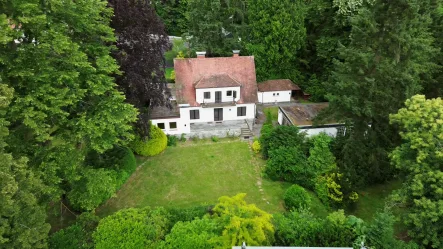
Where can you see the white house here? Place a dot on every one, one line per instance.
(274, 91)
(213, 96)
(302, 115)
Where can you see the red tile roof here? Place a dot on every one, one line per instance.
(217, 80)
(277, 85)
(188, 73)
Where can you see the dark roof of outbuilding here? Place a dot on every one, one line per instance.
(190, 72)
(303, 114)
(277, 85)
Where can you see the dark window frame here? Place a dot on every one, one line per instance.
(207, 95)
(229, 93)
(194, 114)
(241, 111)
(234, 94)
(170, 125)
(161, 124)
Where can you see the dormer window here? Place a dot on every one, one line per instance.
(207, 95)
(229, 93)
(235, 94)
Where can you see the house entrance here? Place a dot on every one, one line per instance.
(218, 114)
(218, 95)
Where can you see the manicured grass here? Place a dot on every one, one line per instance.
(192, 174)
(168, 72)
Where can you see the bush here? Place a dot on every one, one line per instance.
(195, 138)
(256, 147)
(76, 236)
(288, 136)
(183, 138)
(153, 146)
(296, 197)
(119, 159)
(187, 214)
(215, 139)
(132, 228)
(94, 187)
(289, 164)
(302, 228)
(172, 140)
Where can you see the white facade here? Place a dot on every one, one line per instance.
(200, 94)
(181, 126)
(178, 126)
(274, 96)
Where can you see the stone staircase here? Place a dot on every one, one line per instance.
(245, 132)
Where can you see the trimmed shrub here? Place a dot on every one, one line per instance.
(256, 147)
(215, 139)
(172, 140)
(296, 197)
(153, 146)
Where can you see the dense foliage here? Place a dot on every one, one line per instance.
(281, 136)
(296, 197)
(275, 32)
(132, 228)
(389, 52)
(420, 158)
(76, 236)
(152, 146)
(141, 43)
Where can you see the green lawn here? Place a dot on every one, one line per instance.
(192, 174)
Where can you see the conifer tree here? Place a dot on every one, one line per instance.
(390, 49)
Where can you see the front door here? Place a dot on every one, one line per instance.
(218, 114)
(218, 97)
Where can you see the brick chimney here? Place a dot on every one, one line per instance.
(235, 53)
(201, 54)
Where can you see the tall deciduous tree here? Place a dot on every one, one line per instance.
(420, 158)
(173, 14)
(390, 49)
(216, 26)
(276, 32)
(141, 42)
(65, 100)
(22, 215)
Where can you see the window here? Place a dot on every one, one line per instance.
(235, 94)
(161, 126)
(195, 114)
(207, 95)
(278, 94)
(229, 93)
(241, 111)
(173, 125)
(273, 94)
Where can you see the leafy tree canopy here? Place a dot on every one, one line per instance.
(420, 158)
